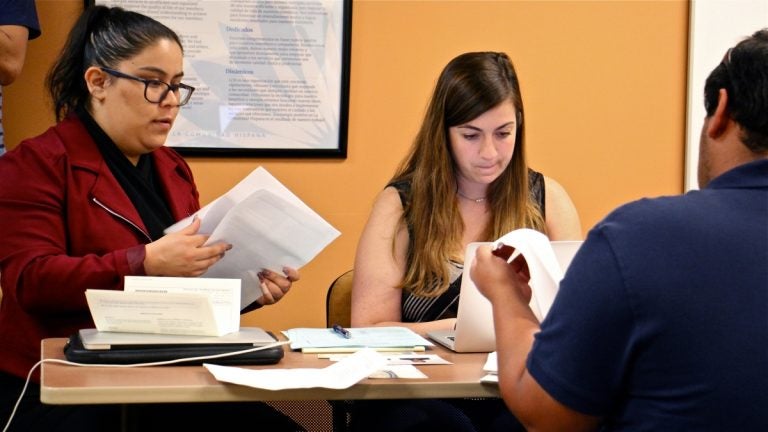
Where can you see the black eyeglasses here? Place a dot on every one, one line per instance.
(155, 91)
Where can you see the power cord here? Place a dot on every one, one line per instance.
(132, 365)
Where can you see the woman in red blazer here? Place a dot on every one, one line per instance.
(85, 203)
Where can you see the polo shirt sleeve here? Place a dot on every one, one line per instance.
(582, 351)
(20, 12)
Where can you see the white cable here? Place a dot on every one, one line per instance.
(159, 363)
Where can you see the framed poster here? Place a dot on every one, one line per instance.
(271, 77)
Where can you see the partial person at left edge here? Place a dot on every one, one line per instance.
(85, 204)
(18, 24)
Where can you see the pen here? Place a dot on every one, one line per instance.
(341, 331)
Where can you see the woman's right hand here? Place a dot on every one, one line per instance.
(182, 253)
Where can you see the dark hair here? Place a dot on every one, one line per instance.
(743, 73)
(469, 85)
(102, 36)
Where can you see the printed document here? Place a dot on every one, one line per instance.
(268, 226)
(326, 340)
(340, 375)
(168, 305)
(491, 367)
(543, 265)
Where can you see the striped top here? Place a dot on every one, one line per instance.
(417, 308)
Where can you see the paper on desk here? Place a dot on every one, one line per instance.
(398, 371)
(180, 313)
(224, 295)
(372, 337)
(340, 375)
(401, 359)
(542, 263)
(268, 226)
(492, 367)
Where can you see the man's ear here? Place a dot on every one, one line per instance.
(96, 80)
(718, 123)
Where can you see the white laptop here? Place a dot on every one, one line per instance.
(474, 320)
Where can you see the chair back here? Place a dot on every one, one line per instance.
(338, 301)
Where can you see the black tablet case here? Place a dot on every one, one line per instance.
(74, 351)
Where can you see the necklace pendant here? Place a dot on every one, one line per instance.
(476, 200)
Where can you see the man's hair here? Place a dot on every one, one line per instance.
(743, 73)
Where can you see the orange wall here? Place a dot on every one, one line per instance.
(604, 83)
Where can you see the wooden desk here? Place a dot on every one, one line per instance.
(64, 385)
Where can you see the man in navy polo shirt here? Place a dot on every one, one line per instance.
(661, 321)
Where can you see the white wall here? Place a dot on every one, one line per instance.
(715, 26)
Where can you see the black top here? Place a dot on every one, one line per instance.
(139, 182)
(417, 308)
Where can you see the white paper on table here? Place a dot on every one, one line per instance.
(268, 226)
(223, 293)
(177, 313)
(491, 363)
(542, 263)
(340, 375)
(490, 378)
(491, 366)
(398, 371)
(401, 359)
(372, 337)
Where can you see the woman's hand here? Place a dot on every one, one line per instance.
(182, 253)
(274, 285)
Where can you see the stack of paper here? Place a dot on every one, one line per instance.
(268, 226)
(168, 305)
(319, 340)
(339, 375)
(542, 264)
(491, 368)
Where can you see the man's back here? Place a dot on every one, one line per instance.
(661, 322)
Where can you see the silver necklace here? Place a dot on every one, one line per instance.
(477, 200)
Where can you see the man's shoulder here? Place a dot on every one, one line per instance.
(645, 208)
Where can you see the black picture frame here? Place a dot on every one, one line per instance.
(300, 150)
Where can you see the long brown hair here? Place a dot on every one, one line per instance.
(468, 86)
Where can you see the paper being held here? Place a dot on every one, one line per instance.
(268, 227)
(543, 265)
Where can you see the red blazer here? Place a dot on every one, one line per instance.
(65, 226)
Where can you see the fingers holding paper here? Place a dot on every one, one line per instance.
(497, 279)
(274, 285)
(182, 253)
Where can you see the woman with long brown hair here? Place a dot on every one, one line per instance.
(465, 180)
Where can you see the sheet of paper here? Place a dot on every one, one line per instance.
(491, 363)
(340, 375)
(182, 314)
(224, 294)
(401, 359)
(372, 337)
(542, 263)
(268, 226)
(492, 367)
(398, 371)
(490, 378)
